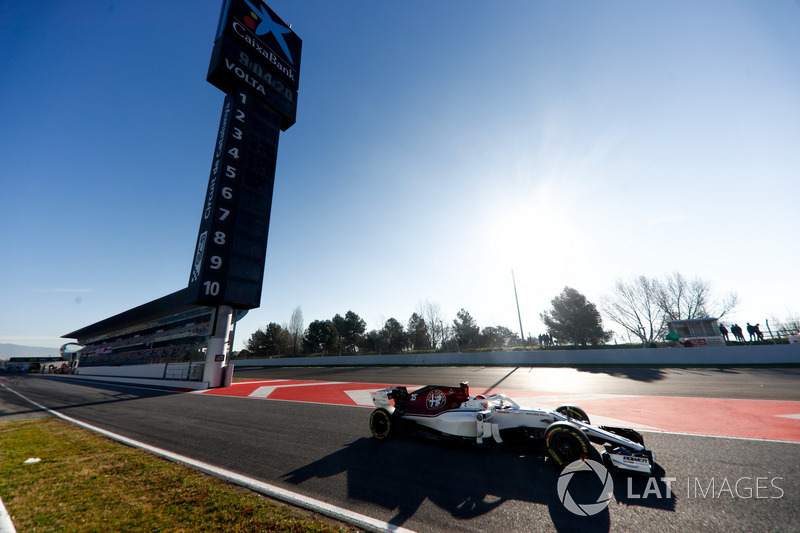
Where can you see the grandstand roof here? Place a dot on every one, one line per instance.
(163, 307)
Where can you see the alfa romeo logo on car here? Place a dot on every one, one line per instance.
(435, 400)
(586, 509)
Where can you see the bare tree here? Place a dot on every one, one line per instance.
(784, 328)
(296, 329)
(636, 307)
(644, 306)
(431, 312)
(448, 341)
(681, 299)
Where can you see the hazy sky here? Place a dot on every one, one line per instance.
(439, 145)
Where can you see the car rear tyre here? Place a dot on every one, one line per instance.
(566, 443)
(382, 424)
(576, 413)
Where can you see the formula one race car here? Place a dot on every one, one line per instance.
(450, 412)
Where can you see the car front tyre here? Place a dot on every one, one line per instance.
(574, 412)
(566, 443)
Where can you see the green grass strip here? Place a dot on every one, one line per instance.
(85, 482)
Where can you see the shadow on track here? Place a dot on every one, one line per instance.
(12, 407)
(646, 375)
(498, 382)
(466, 482)
(92, 393)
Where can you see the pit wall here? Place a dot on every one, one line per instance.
(150, 375)
(777, 354)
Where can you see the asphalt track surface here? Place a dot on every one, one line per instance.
(324, 450)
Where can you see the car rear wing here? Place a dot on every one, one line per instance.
(384, 397)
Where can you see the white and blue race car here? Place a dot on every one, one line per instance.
(450, 412)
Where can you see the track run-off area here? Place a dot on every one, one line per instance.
(719, 417)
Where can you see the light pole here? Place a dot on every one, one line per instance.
(521, 332)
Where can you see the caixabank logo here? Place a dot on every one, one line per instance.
(257, 28)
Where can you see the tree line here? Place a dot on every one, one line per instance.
(347, 334)
(641, 306)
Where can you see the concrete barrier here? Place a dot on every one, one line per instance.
(163, 383)
(174, 375)
(774, 354)
(181, 371)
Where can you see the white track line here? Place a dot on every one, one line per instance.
(6, 525)
(265, 390)
(332, 511)
(706, 436)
